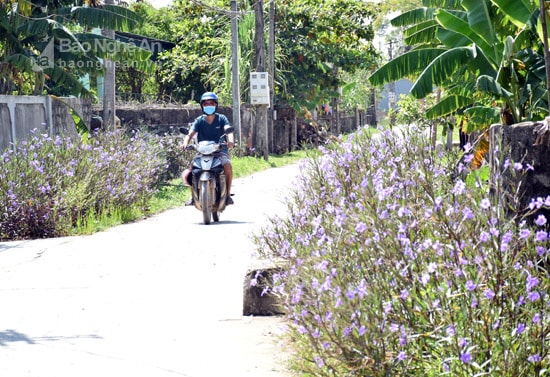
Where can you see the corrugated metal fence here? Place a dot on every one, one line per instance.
(21, 114)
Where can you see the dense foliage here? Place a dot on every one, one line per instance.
(49, 185)
(319, 39)
(48, 47)
(393, 268)
(314, 39)
(487, 56)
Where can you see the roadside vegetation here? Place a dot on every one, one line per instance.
(394, 268)
(58, 186)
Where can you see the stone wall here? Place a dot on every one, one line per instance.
(516, 143)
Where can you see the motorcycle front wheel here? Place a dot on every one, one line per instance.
(205, 202)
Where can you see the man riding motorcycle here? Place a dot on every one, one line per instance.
(211, 126)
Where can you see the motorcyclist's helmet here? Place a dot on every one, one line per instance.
(209, 95)
(209, 110)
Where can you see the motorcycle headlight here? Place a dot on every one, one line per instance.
(207, 148)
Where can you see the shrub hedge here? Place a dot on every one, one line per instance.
(397, 269)
(48, 185)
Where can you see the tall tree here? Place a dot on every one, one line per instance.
(320, 38)
(46, 46)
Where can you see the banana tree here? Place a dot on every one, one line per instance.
(479, 52)
(48, 45)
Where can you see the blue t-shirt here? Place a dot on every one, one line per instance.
(210, 132)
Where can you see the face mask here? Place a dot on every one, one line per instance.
(209, 110)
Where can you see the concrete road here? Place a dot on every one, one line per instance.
(160, 297)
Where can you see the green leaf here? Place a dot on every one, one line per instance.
(24, 63)
(441, 69)
(479, 19)
(488, 84)
(481, 116)
(349, 87)
(406, 65)
(422, 33)
(453, 23)
(448, 105)
(414, 16)
(108, 17)
(451, 39)
(64, 77)
(520, 11)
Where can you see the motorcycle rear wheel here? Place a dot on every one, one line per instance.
(205, 202)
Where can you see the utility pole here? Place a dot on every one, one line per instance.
(271, 54)
(235, 89)
(262, 144)
(109, 84)
(391, 92)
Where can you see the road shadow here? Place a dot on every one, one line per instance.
(12, 336)
(222, 222)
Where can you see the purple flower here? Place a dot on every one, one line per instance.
(489, 294)
(484, 236)
(451, 330)
(401, 356)
(463, 342)
(541, 236)
(424, 279)
(524, 233)
(404, 294)
(360, 227)
(534, 358)
(466, 357)
(533, 296)
(519, 330)
(532, 282)
(485, 203)
(541, 220)
(319, 361)
(470, 285)
(536, 318)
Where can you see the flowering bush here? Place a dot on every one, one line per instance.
(49, 184)
(396, 269)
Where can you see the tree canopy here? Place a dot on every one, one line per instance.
(315, 41)
(48, 46)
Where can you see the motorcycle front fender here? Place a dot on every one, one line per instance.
(206, 176)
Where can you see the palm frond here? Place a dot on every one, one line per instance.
(414, 16)
(456, 24)
(479, 19)
(448, 105)
(519, 11)
(406, 65)
(441, 68)
(488, 84)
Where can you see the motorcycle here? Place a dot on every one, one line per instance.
(206, 178)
